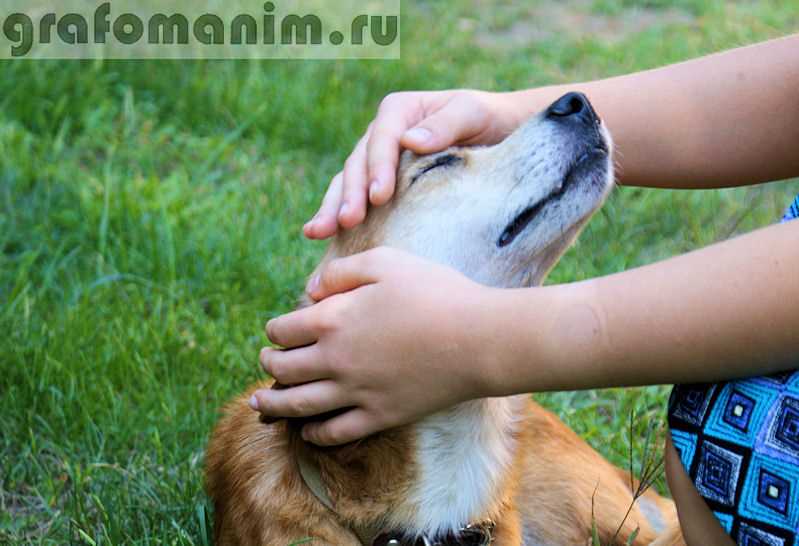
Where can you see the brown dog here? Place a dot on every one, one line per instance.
(494, 471)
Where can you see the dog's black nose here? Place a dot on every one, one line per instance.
(572, 106)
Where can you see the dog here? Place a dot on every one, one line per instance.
(500, 471)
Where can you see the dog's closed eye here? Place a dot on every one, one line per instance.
(440, 161)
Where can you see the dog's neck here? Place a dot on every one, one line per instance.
(464, 455)
(433, 478)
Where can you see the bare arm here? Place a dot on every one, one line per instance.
(704, 123)
(728, 311)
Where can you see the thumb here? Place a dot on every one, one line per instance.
(345, 274)
(459, 120)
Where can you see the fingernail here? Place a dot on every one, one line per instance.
(305, 435)
(419, 135)
(374, 188)
(254, 402)
(262, 356)
(344, 210)
(313, 284)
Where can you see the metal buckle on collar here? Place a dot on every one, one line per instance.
(472, 535)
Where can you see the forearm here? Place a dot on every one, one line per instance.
(723, 120)
(727, 311)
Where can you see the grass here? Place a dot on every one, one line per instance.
(149, 226)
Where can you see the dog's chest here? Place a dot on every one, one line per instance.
(463, 456)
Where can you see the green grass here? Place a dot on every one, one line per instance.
(149, 226)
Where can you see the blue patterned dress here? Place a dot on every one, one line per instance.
(793, 211)
(739, 443)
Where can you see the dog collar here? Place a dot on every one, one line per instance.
(313, 480)
(472, 535)
(481, 534)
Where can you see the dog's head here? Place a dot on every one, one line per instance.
(504, 214)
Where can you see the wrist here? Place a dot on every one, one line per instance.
(522, 104)
(541, 339)
(488, 350)
(510, 340)
(509, 110)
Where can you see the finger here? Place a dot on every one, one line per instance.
(396, 115)
(383, 160)
(349, 273)
(294, 329)
(459, 120)
(325, 223)
(342, 429)
(302, 401)
(353, 202)
(295, 366)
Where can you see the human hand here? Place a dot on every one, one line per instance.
(393, 338)
(424, 122)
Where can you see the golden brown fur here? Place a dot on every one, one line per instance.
(546, 495)
(260, 498)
